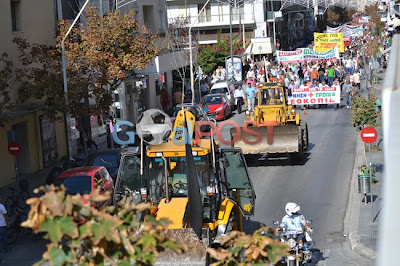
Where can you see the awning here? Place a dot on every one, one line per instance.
(261, 46)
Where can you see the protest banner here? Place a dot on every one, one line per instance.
(286, 57)
(315, 95)
(326, 41)
(347, 30)
(306, 54)
(311, 55)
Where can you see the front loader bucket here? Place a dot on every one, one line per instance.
(196, 253)
(282, 139)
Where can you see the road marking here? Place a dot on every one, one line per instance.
(369, 135)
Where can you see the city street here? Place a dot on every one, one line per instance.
(320, 185)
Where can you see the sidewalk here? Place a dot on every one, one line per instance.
(364, 217)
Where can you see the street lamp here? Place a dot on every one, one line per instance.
(191, 51)
(64, 67)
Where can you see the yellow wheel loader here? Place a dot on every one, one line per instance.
(273, 128)
(203, 190)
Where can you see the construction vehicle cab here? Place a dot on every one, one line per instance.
(225, 187)
(274, 126)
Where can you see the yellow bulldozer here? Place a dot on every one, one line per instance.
(202, 189)
(273, 128)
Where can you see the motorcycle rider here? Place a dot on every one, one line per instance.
(293, 220)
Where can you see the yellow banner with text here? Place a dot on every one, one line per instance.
(326, 41)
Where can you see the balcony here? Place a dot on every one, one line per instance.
(213, 20)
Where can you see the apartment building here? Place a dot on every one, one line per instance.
(248, 17)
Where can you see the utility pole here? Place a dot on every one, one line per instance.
(64, 67)
(191, 51)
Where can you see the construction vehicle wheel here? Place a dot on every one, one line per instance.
(298, 156)
(233, 222)
(304, 127)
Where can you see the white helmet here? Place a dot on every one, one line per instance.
(291, 208)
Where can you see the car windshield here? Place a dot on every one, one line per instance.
(271, 96)
(76, 184)
(129, 174)
(106, 160)
(219, 90)
(216, 99)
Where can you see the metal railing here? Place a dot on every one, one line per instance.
(214, 19)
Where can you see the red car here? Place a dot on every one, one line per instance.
(216, 106)
(84, 180)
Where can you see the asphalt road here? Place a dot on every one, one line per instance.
(320, 184)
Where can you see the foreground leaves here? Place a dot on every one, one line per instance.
(81, 234)
(260, 248)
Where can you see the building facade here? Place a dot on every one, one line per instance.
(142, 89)
(42, 141)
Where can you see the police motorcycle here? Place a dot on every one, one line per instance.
(296, 232)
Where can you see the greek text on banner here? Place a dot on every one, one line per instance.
(315, 95)
(326, 41)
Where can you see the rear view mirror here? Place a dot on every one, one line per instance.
(276, 223)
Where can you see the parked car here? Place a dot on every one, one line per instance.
(217, 106)
(83, 180)
(107, 158)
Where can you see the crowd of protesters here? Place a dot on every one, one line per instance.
(355, 64)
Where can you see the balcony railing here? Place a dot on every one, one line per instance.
(211, 20)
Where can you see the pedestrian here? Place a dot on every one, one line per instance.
(4, 223)
(245, 95)
(239, 95)
(164, 99)
(178, 96)
(250, 91)
(321, 73)
(356, 80)
(204, 88)
(347, 87)
(89, 140)
(336, 85)
(314, 74)
(331, 75)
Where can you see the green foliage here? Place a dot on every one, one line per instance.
(364, 113)
(337, 16)
(100, 53)
(260, 248)
(209, 56)
(83, 235)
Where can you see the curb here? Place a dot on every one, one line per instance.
(351, 219)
